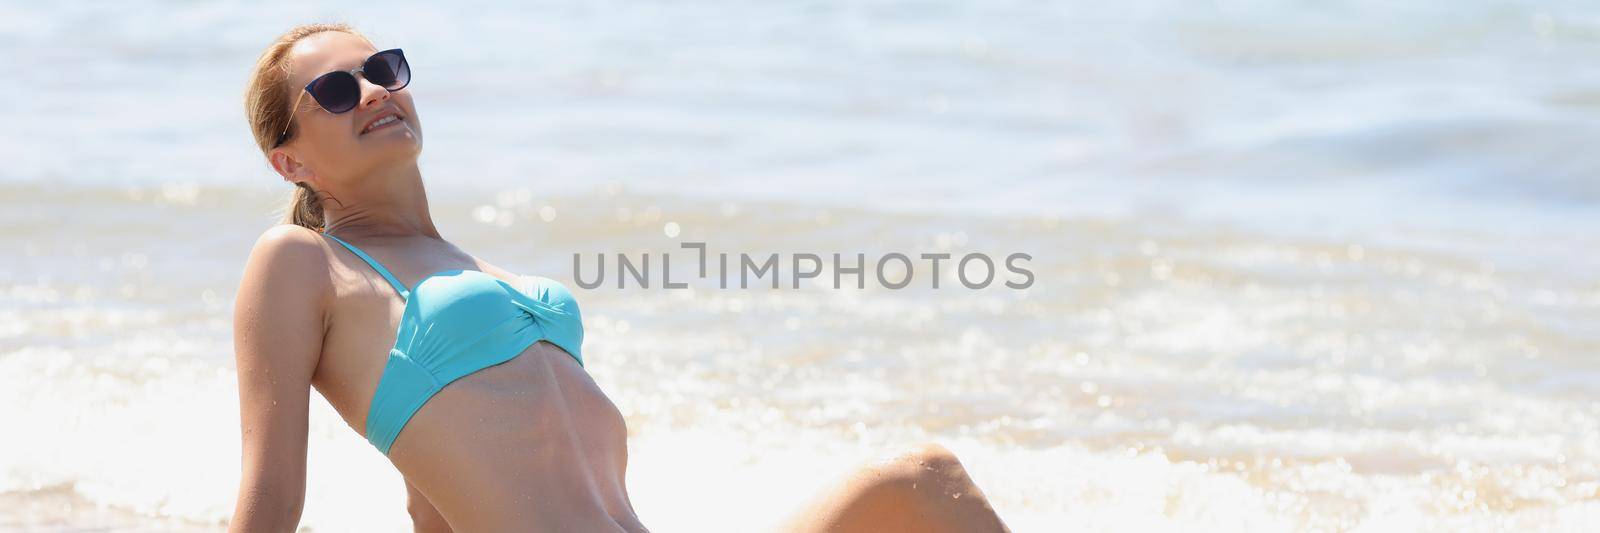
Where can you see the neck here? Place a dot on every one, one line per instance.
(387, 202)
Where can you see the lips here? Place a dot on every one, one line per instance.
(383, 120)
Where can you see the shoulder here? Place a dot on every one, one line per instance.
(288, 241)
(288, 260)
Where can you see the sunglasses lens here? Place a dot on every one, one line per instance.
(336, 92)
(389, 70)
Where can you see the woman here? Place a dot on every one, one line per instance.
(358, 295)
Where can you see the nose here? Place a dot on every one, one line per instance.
(371, 93)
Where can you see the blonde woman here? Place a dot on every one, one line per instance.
(469, 378)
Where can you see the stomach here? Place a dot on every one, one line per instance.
(528, 444)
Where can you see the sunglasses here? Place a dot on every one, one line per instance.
(339, 91)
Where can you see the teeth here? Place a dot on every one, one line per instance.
(380, 122)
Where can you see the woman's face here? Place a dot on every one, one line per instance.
(324, 146)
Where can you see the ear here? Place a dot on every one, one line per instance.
(290, 166)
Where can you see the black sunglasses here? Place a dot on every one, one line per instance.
(339, 91)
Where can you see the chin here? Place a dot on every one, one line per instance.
(392, 154)
(398, 144)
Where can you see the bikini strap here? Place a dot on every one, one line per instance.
(375, 266)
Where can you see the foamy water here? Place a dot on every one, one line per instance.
(1320, 268)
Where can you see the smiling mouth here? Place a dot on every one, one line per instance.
(385, 122)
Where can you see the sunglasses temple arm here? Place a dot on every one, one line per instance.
(292, 109)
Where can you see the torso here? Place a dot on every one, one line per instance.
(530, 444)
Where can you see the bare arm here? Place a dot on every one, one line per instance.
(278, 325)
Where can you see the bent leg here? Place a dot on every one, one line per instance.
(924, 490)
(424, 517)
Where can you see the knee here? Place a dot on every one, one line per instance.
(932, 453)
(924, 489)
(923, 469)
(930, 460)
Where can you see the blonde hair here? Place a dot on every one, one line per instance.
(267, 102)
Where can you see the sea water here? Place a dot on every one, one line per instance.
(1296, 266)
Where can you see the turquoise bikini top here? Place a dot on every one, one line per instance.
(457, 322)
